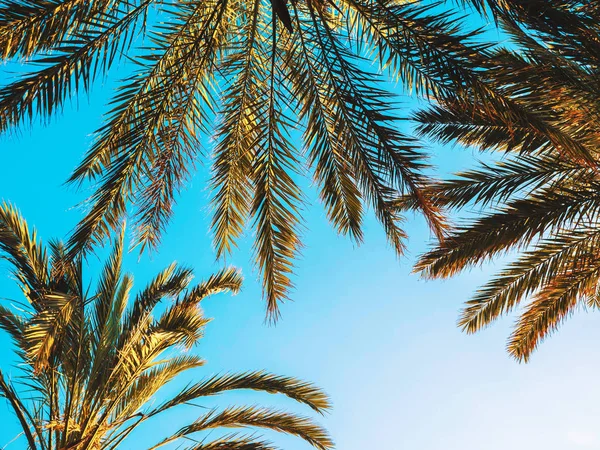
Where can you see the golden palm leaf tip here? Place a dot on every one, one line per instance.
(541, 199)
(93, 360)
(274, 100)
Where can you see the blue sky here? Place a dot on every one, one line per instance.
(380, 341)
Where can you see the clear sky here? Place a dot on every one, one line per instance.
(380, 341)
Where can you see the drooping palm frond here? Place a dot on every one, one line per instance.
(540, 199)
(570, 25)
(24, 252)
(72, 64)
(243, 417)
(289, 87)
(37, 26)
(95, 363)
(25, 419)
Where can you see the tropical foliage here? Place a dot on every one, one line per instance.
(541, 197)
(288, 85)
(90, 361)
(260, 77)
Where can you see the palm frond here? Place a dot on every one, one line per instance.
(13, 324)
(169, 283)
(549, 308)
(48, 326)
(277, 198)
(533, 270)
(516, 225)
(26, 421)
(256, 417)
(259, 76)
(149, 383)
(229, 279)
(153, 117)
(234, 442)
(260, 381)
(23, 251)
(37, 26)
(235, 148)
(493, 184)
(72, 66)
(540, 201)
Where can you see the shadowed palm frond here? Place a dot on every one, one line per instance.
(540, 200)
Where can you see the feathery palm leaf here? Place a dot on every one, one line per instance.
(93, 362)
(541, 198)
(268, 73)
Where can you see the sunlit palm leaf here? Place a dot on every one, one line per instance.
(267, 73)
(93, 365)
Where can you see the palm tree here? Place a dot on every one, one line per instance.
(90, 362)
(542, 197)
(266, 86)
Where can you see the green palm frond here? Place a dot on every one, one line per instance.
(94, 365)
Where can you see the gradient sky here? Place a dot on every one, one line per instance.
(379, 340)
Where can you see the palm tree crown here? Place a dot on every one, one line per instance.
(257, 70)
(542, 197)
(91, 361)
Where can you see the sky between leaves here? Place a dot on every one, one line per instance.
(380, 341)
